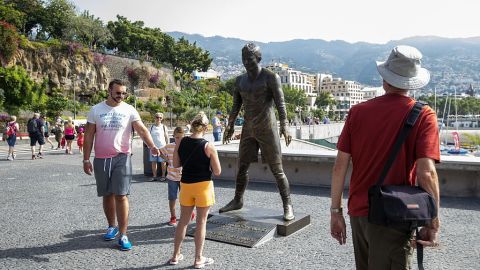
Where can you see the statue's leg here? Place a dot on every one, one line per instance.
(284, 189)
(240, 186)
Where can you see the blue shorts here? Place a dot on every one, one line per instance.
(173, 188)
(12, 140)
(156, 158)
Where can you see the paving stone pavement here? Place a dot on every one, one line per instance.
(52, 219)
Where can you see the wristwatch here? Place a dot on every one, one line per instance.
(336, 210)
(85, 161)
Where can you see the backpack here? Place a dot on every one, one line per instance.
(10, 129)
(32, 126)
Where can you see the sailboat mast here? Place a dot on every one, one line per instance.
(456, 115)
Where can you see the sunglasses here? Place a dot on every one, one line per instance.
(121, 93)
(159, 117)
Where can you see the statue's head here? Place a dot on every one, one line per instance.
(252, 49)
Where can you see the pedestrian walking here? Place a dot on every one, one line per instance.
(58, 131)
(12, 128)
(159, 133)
(80, 139)
(69, 135)
(109, 127)
(198, 159)
(367, 138)
(35, 130)
(47, 130)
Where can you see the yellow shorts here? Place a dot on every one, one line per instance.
(199, 194)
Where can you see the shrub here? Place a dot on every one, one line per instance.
(9, 39)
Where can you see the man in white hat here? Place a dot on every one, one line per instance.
(367, 138)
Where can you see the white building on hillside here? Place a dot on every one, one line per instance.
(346, 93)
(298, 80)
(203, 75)
(320, 79)
(372, 92)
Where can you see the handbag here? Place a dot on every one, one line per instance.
(401, 206)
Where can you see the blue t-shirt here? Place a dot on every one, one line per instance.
(216, 124)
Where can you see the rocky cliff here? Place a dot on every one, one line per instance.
(90, 72)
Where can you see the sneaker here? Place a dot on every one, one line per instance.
(40, 155)
(9, 158)
(34, 157)
(162, 179)
(14, 156)
(153, 179)
(124, 243)
(173, 221)
(111, 233)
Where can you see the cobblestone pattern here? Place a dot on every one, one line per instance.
(52, 219)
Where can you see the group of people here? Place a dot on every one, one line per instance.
(39, 131)
(192, 161)
(369, 133)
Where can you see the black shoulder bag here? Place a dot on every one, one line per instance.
(403, 206)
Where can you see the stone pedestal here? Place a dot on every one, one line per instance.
(251, 227)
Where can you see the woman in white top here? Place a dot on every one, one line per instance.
(159, 134)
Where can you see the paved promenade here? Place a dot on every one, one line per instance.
(52, 219)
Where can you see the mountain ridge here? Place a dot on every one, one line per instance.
(452, 61)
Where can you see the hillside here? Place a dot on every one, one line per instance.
(453, 62)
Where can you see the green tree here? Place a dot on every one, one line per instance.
(9, 14)
(34, 13)
(129, 37)
(294, 99)
(325, 100)
(56, 103)
(57, 19)
(222, 102)
(153, 106)
(228, 86)
(177, 102)
(89, 31)
(136, 40)
(320, 113)
(186, 58)
(20, 92)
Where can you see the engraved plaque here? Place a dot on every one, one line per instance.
(251, 227)
(237, 231)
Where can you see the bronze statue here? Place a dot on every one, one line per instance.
(258, 89)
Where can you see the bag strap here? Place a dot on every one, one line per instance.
(419, 251)
(407, 127)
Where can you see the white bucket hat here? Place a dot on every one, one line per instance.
(403, 68)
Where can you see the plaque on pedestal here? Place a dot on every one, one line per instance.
(251, 227)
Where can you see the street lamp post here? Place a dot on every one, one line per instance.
(209, 110)
(74, 77)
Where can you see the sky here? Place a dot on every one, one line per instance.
(374, 21)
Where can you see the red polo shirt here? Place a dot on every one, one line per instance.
(368, 136)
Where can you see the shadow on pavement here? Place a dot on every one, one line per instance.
(92, 239)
